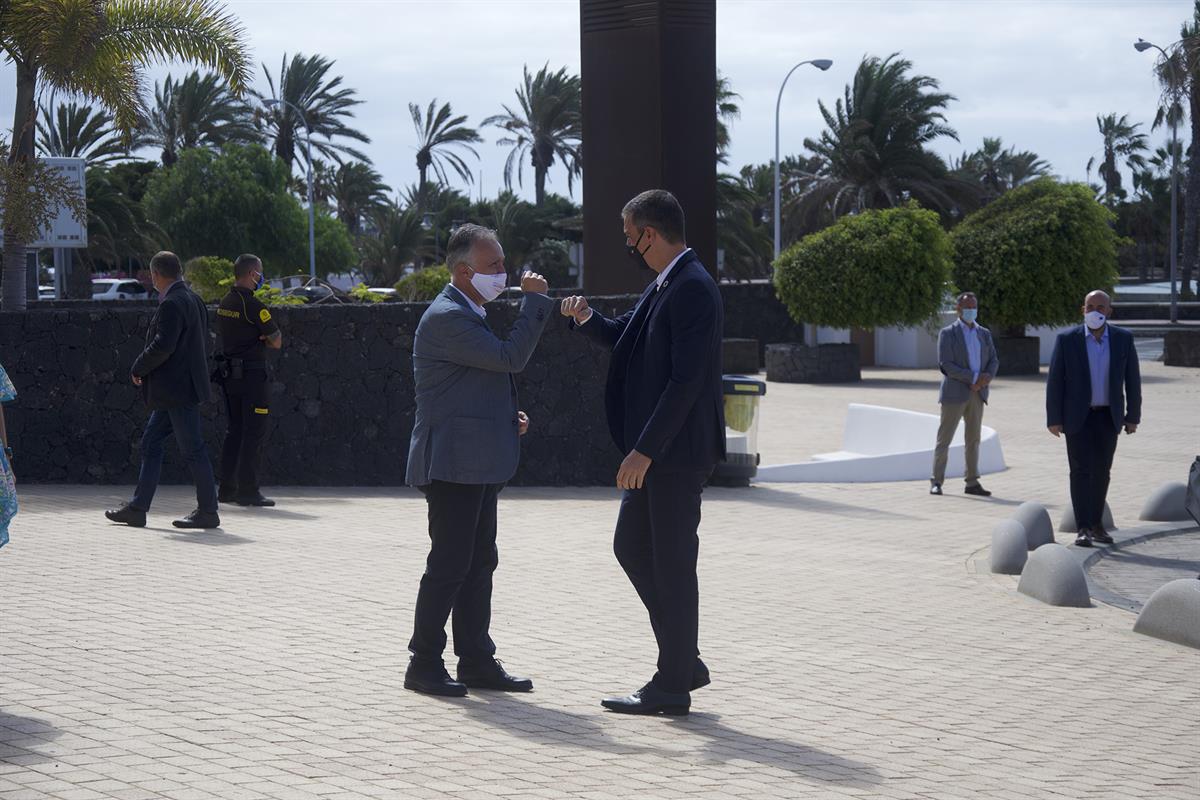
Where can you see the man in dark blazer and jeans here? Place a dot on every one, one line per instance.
(172, 372)
(666, 414)
(1093, 390)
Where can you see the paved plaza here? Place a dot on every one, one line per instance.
(854, 651)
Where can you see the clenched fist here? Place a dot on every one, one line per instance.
(577, 308)
(533, 283)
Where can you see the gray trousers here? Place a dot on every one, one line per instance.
(971, 412)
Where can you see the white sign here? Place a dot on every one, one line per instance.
(64, 230)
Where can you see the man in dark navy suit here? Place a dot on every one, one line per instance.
(1093, 390)
(666, 414)
(173, 374)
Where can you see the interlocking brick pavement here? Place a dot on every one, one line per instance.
(854, 651)
(1136, 571)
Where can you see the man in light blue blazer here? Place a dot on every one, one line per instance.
(465, 447)
(967, 358)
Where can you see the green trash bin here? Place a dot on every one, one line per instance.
(742, 406)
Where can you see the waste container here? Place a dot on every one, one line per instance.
(742, 401)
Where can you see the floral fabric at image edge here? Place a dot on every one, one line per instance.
(8, 483)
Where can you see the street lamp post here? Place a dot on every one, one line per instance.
(312, 243)
(1141, 45)
(821, 64)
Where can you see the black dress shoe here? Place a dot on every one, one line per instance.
(935, 488)
(1100, 535)
(1084, 539)
(226, 494)
(650, 700)
(977, 490)
(199, 519)
(491, 674)
(255, 499)
(432, 680)
(127, 515)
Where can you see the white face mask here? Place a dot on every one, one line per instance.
(1094, 320)
(489, 286)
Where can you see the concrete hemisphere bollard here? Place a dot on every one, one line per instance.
(1036, 520)
(1067, 524)
(1053, 575)
(1167, 504)
(1010, 547)
(1173, 613)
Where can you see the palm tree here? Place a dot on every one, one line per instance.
(305, 83)
(198, 111)
(548, 126)
(400, 242)
(997, 169)
(440, 134)
(872, 155)
(358, 191)
(117, 226)
(72, 130)
(727, 111)
(742, 230)
(1179, 75)
(97, 49)
(1121, 141)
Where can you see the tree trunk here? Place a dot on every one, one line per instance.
(12, 293)
(539, 185)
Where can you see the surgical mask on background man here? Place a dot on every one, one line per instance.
(1094, 320)
(258, 284)
(489, 286)
(969, 314)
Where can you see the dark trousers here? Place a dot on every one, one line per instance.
(657, 546)
(184, 421)
(458, 572)
(1090, 456)
(247, 406)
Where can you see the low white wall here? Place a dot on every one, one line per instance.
(917, 347)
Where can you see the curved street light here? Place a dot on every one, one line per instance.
(312, 247)
(821, 64)
(1141, 45)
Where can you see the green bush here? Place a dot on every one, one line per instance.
(1034, 253)
(873, 269)
(363, 294)
(552, 259)
(209, 276)
(424, 284)
(271, 296)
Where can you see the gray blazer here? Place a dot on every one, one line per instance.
(955, 366)
(466, 423)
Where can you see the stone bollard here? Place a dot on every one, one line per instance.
(1173, 613)
(1167, 504)
(1010, 547)
(1067, 522)
(1053, 575)
(1036, 521)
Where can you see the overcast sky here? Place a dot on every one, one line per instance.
(1035, 73)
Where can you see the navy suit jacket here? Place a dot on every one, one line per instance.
(663, 397)
(1069, 385)
(174, 365)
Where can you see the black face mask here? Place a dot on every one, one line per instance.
(637, 255)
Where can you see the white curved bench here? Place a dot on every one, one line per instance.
(886, 444)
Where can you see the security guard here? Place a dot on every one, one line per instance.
(247, 330)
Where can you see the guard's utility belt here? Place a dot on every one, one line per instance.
(235, 369)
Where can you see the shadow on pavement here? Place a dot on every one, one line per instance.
(721, 744)
(19, 737)
(211, 538)
(777, 497)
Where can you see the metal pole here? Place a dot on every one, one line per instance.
(1174, 223)
(312, 246)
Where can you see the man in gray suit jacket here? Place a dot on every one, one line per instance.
(967, 358)
(465, 447)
